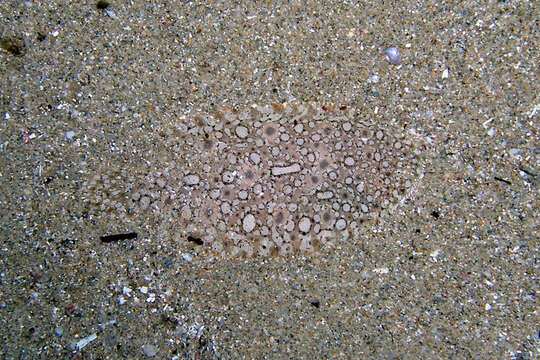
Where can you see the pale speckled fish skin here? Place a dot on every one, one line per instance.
(266, 180)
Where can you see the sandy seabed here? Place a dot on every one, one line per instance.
(88, 90)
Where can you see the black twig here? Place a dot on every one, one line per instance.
(527, 172)
(118, 237)
(502, 180)
(195, 240)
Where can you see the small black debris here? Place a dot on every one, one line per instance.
(528, 172)
(502, 180)
(435, 214)
(68, 243)
(12, 45)
(316, 303)
(168, 263)
(102, 4)
(118, 237)
(195, 240)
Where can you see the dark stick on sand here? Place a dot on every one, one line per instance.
(118, 237)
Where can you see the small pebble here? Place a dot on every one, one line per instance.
(191, 179)
(445, 74)
(186, 213)
(374, 79)
(59, 331)
(149, 350)
(393, 55)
